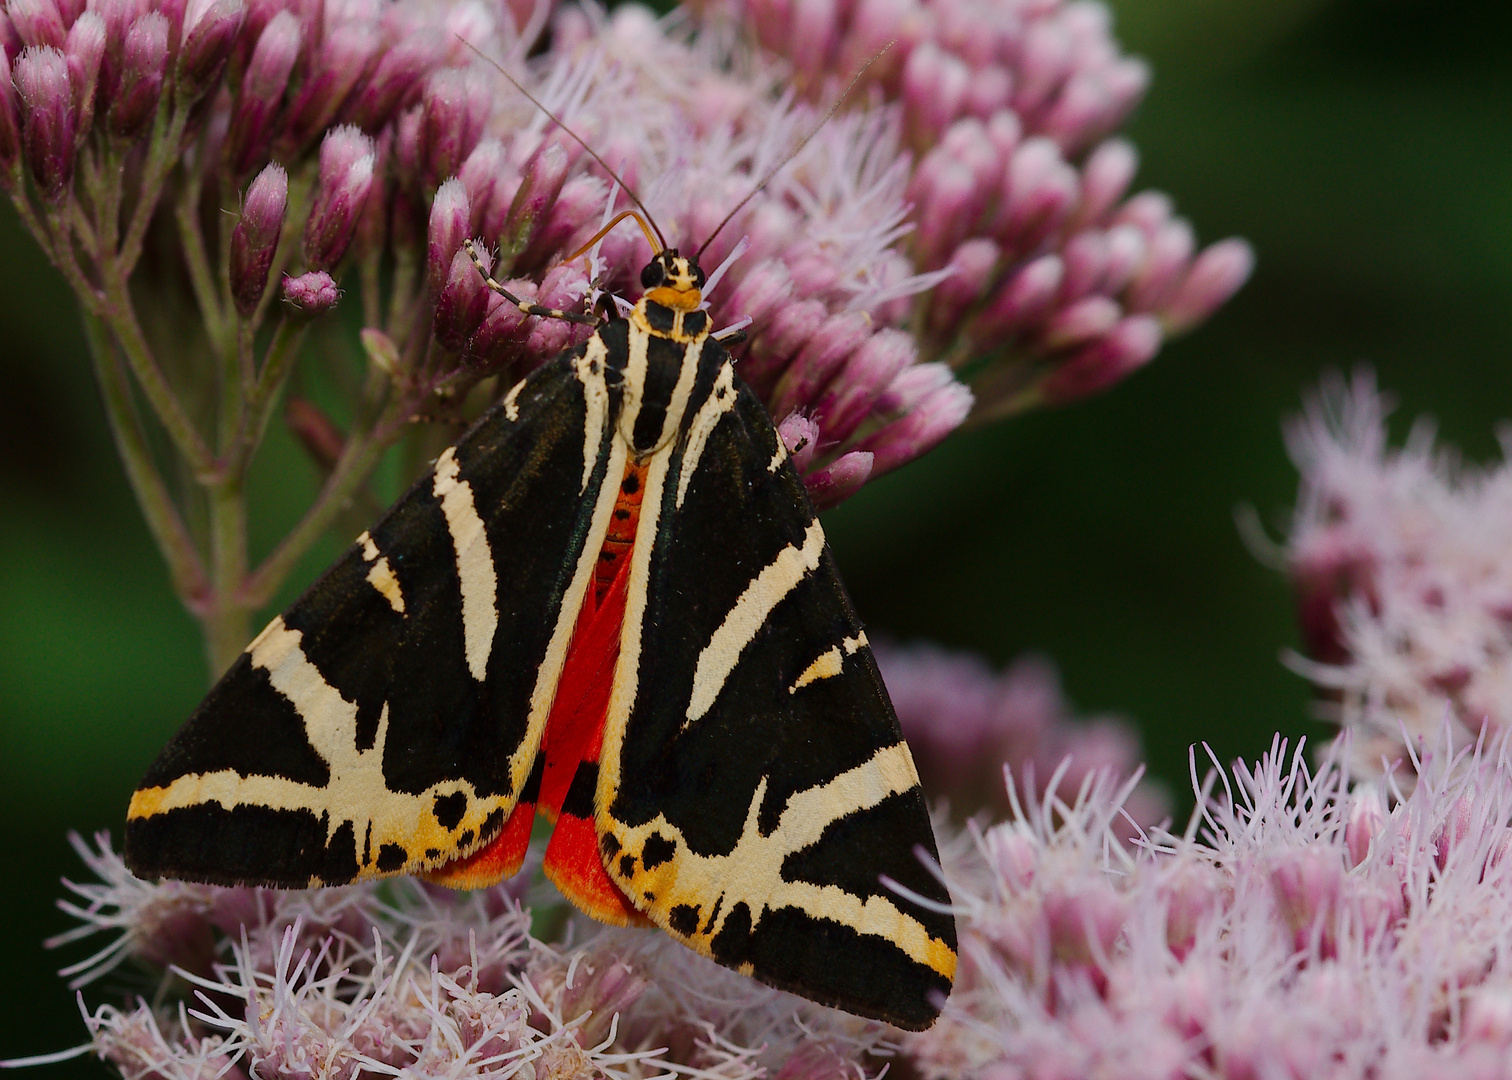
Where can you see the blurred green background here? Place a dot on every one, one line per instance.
(1363, 146)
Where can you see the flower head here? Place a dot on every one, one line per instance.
(1402, 581)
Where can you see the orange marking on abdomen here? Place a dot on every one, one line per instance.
(623, 522)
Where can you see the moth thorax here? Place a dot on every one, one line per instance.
(673, 281)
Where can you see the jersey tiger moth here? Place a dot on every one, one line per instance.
(610, 604)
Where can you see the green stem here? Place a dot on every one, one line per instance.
(162, 155)
(185, 566)
(227, 624)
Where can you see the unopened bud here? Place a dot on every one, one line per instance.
(254, 241)
(10, 124)
(346, 56)
(867, 375)
(37, 22)
(320, 437)
(1215, 275)
(262, 90)
(462, 301)
(800, 434)
(207, 44)
(347, 158)
(85, 50)
(454, 110)
(450, 217)
(1130, 345)
(398, 70)
(840, 479)
(932, 403)
(311, 294)
(543, 177)
(41, 76)
(143, 61)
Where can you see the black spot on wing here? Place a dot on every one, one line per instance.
(658, 850)
(683, 918)
(247, 845)
(627, 865)
(466, 838)
(246, 726)
(492, 824)
(609, 844)
(392, 857)
(449, 809)
(732, 945)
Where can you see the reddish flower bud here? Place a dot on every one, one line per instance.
(41, 77)
(1024, 297)
(346, 56)
(142, 64)
(262, 90)
(255, 238)
(208, 38)
(1037, 191)
(1089, 319)
(481, 174)
(449, 218)
(1130, 345)
(539, 187)
(867, 375)
(1165, 267)
(347, 158)
(972, 267)
(311, 294)
(800, 434)
(118, 15)
(85, 50)
(840, 479)
(822, 356)
(499, 340)
(462, 301)
(563, 288)
(455, 108)
(37, 22)
(399, 70)
(933, 405)
(1215, 275)
(10, 123)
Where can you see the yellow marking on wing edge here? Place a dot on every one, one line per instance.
(356, 791)
(829, 664)
(475, 568)
(381, 576)
(748, 615)
(589, 369)
(751, 872)
(779, 455)
(511, 401)
(720, 401)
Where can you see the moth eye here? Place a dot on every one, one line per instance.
(652, 275)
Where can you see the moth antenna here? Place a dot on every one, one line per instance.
(661, 241)
(656, 246)
(772, 173)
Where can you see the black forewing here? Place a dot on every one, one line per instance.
(770, 725)
(255, 796)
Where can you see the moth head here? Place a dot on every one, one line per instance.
(673, 280)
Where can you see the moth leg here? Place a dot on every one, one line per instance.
(529, 307)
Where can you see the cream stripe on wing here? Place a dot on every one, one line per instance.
(589, 369)
(830, 663)
(475, 568)
(381, 575)
(721, 400)
(748, 615)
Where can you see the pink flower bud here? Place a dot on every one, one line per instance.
(10, 123)
(539, 187)
(800, 435)
(1307, 884)
(932, 404)
(791, 327)
(207, 44)
(935, 83)
(37, 22)
(455, 108)
(950, 200)
(1215, 275)
(399, 70)
(563, 288)
(254, 241)
(1106, 175)
(143, 61)
(1024, 297)
(839, 480)
(346, 56)
(1089, 319)
(822, 356)
(481, 174)
(41, 77)
(262, 90)
(449, 218)
(990, 91)
(1127, 248)
(972, 266)
(1367, 817)
(766, 288)
(499, 339)
(1036, 195)
(1045, 59)
(868, 373)
(85, 50)
(575, 212)
(118, 15)
(1084, 920)
(1149, 211)
(462, 301)
(1131, 345)
(311, 294)
(346, 176)
(1164, 267)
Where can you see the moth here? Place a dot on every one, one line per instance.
(611, 605)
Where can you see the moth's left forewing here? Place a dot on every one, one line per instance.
(754, 787)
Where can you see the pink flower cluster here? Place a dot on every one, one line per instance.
(1294, 929)
(1059, 286)
(968, 724)
(1402, 575)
